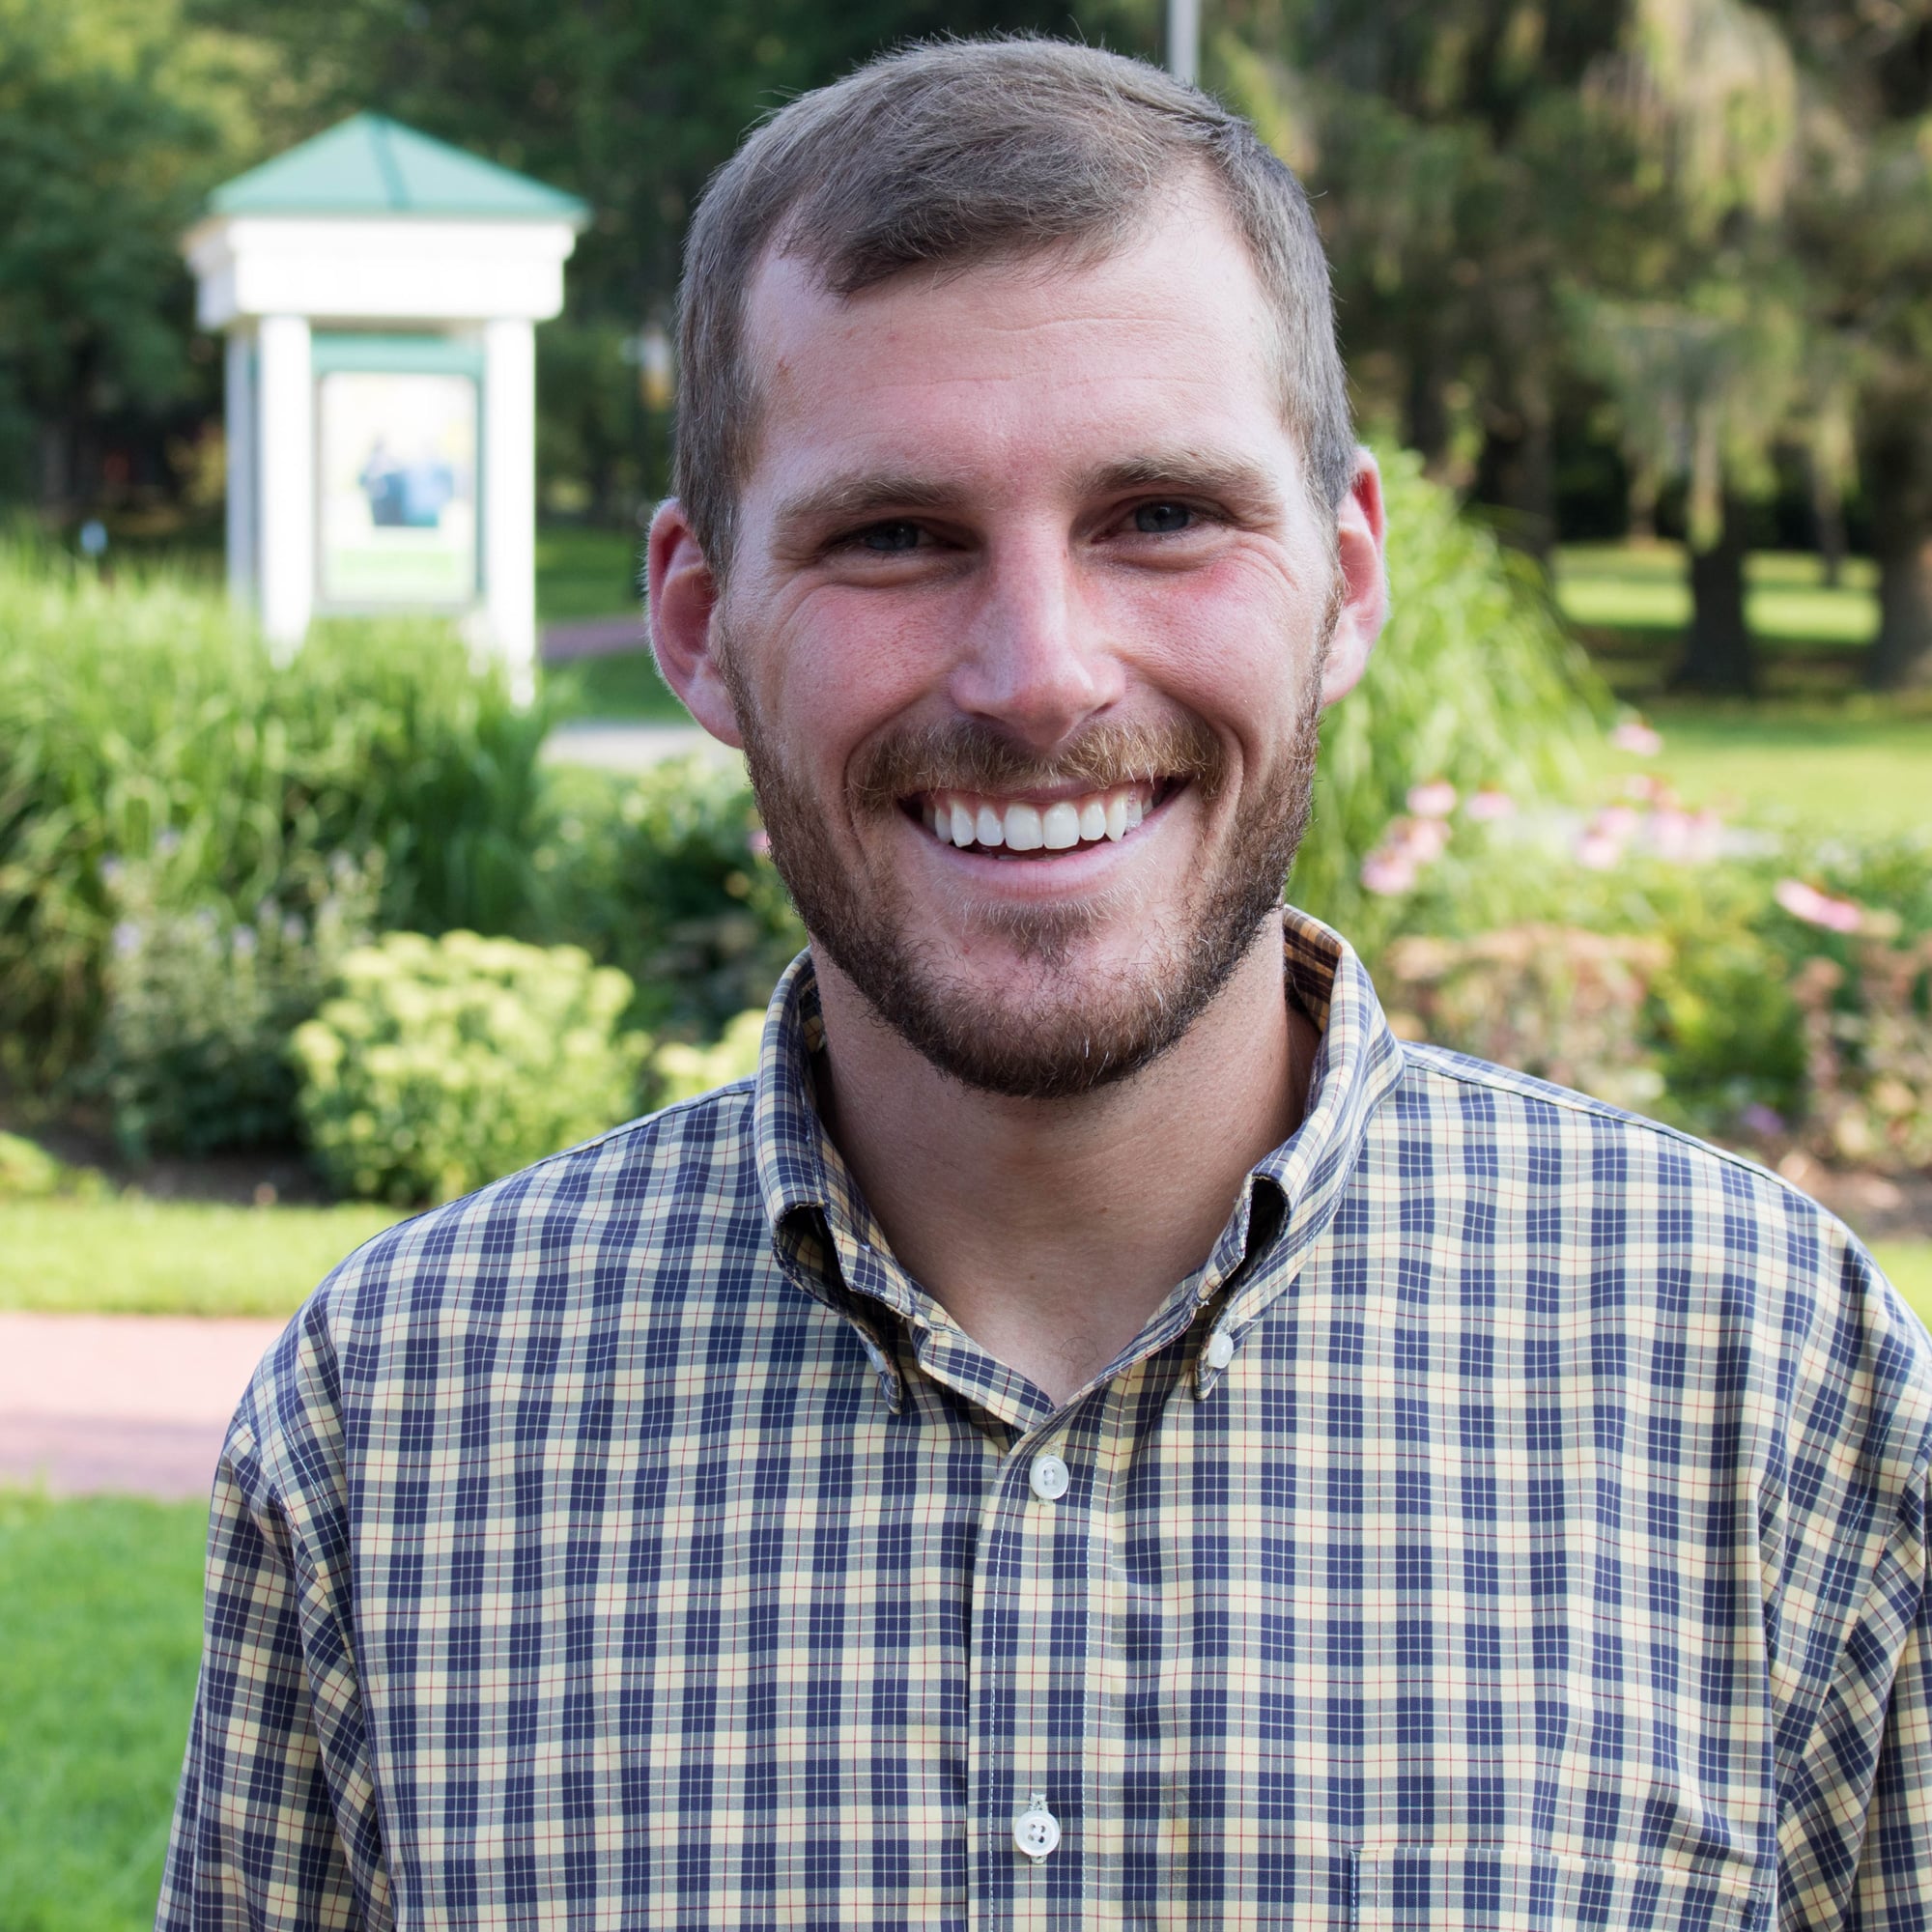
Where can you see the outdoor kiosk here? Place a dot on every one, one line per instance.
(379, 291)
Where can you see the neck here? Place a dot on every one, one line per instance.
(1050, 1231)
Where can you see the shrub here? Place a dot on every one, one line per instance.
(684, 1071)
(1563, 1004)
(192, 1054)
(28, 1172)
(149, 712)
(665, 875)
(1475, 683)
(444, 1063)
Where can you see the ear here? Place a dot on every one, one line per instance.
(682, 606)
(1358, 544)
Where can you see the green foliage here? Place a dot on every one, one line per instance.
(684, 1072)
(116, 117)
(100, 1637)
(200, 1004)
(1749, 1018)
(664, 876)
(1474, 682)
(28, 1172)
(443, 1063)
(146, 718)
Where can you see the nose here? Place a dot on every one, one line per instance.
(1036, 658)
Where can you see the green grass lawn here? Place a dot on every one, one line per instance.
(1859, 768)
(1907, 1265)
(1643, 587)
(100, 1636)
(586, 572)
(624, 684)
(128, 1255)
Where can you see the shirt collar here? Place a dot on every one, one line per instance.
(828, 1239)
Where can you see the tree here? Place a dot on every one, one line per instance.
(114, 120)
(1863, 226)
(1687, 309)
(1440, 143)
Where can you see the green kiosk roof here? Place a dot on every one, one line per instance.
(373, 165)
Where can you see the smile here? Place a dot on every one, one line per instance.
(1022, 827)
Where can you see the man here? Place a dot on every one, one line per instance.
(1098, 1432)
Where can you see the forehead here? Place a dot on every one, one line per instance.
(1018, 361)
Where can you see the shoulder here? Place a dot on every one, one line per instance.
(1690, 1239)
(645, 1217)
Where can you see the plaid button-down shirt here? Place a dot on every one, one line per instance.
(1518, 1520)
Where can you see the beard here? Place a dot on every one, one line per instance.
(1057, 1036)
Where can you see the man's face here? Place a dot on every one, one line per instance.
(1024, 637)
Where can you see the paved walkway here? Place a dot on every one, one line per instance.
(613, 747)
(134, 1403)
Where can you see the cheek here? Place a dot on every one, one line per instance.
(1230, 643)
(848, 667)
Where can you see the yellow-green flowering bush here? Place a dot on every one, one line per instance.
(444, 1063)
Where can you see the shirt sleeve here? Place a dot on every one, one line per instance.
(1855, 1824)
(275, 1827)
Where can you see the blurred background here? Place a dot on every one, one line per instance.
(1636, 299)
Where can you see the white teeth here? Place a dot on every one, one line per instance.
(1060, 827)
(1022, 829)
(958, 819)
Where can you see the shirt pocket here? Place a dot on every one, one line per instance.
(1524, 1889)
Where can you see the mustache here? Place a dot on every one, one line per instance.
(970, 754)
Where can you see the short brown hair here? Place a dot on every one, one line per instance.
(962, 150)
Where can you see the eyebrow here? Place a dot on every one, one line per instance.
(1194, 473)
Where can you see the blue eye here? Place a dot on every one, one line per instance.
(891, 538)
(1159, 520)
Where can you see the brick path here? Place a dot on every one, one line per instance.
(134, 1403)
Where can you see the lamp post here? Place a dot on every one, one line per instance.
(1183, 39)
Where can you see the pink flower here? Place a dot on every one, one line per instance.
(1486, 806)
(1599, 852)
(1616, 821)
(1434, 800)
(759, 843)
(1816, 908)
(1388, 873)
(1634, 735)
(1420, 840)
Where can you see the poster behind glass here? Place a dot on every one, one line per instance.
(398, 496)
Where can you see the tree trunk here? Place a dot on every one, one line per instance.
(1718, 655)
(1828, 510)
(1901, 654)
(1518, 473)
(1426, 411)
(1898, 475)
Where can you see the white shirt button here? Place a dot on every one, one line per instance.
(1220, 1349)
(1049, 1478)
(1036, 1830)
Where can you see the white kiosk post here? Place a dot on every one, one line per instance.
(380, 293)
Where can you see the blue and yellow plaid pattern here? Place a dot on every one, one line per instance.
(635, 1544)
